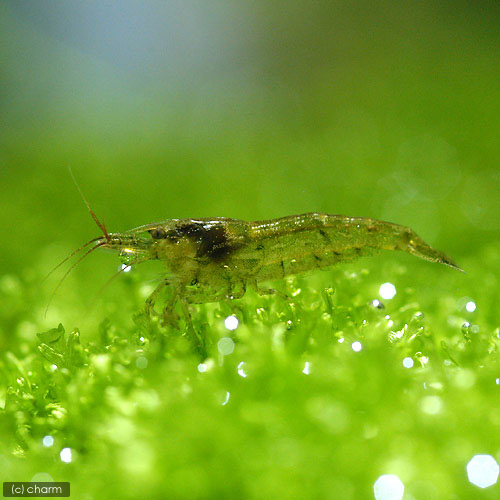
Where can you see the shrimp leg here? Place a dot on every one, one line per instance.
(268, 291)
(150, 301)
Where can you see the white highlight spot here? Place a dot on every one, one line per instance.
(424, 360)
(482, 470)
(202, 367)
(48, 441)
(224, 403)
(356, 346)
(231, 322)
(341, 340)
(408, 363)
(226, 344)
(470, 306)
(306, 368)
(497, 381)
(125, 268)
(388, 487)
(387, 291)
(241, 372)
(66, 455)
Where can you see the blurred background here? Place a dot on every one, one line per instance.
(249, 110)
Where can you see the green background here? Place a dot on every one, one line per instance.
(251, 110)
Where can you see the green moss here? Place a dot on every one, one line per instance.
(145, 416)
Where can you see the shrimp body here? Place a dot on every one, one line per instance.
(211, 259)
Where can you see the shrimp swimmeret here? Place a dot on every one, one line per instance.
(212, 259)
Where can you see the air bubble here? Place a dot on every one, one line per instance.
(48, 441)
(470, 306)
(408, 362)
(482, 470)
(388, 487)
(356, 346)
(66, 455)
(231, 322)
(387, 291)
(225, 346)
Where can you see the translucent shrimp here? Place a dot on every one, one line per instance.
(212, 259)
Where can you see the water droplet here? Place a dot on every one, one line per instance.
(388, 487)
(127, 256)
(408, 362)
(48, 441)
(470, 306)
(356, 346)
(66, 455)
(241, 371)
(466, 304)
(377, 304)
(421, 358)
(202, 367)
(482, 470)
(417, 318)
(387, 291)
(225, 346)
(231, 322)
(306, 368)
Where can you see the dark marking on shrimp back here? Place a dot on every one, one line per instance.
(212, 240)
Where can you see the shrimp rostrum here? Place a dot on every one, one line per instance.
(212, 259)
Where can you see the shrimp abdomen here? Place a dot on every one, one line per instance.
(296, 244)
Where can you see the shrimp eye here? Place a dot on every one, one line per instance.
(158, 233)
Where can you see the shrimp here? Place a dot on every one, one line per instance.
(212, 259)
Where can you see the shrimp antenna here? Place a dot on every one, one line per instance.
(69, 257)
(71, 269)
(101, 226)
